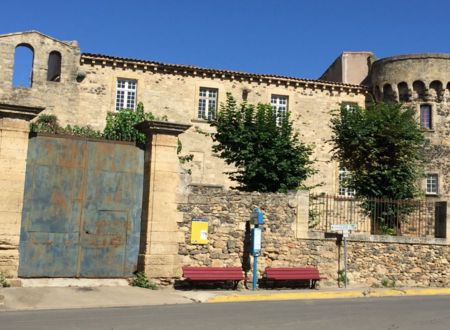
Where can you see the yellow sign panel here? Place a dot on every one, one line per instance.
(199, 231)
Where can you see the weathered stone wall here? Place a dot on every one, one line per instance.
(13, 154)
(370, 260)
(58, 97)
(175, 95)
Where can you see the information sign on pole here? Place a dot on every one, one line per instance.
(345, 228)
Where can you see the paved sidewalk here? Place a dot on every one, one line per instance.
(34, 298)
(26, 298)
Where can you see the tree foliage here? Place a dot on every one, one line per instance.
(50, 124)
(381, 147)
(268, 157)
(120, 125)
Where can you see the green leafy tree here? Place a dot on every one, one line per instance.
(381, 147)
(268, 157)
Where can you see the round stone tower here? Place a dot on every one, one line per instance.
(421, 81)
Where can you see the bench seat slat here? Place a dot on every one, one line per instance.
(292, 273)
(213, 273)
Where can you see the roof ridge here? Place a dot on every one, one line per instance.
(67, 43)
(219, 71)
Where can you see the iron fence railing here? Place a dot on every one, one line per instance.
(376, 216)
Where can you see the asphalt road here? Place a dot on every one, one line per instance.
(410, 313)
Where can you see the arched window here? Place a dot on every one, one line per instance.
(388, 93)
(23, 66)
(403, 91)
(419, 88)
(436, 88)
(54, 66)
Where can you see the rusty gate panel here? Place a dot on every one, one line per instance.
(82, 209)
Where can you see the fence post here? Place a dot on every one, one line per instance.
(302, 197)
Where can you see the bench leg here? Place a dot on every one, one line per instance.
(235, 286)
(313, 284)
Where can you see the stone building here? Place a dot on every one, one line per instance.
(90, 85)
(81, 88)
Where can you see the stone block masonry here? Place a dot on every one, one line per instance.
(371, 260)
(14, 122)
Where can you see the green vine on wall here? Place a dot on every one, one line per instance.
(184, 159)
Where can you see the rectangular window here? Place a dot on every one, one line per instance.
(432, 184)
(125, 94)
(343, 189)
(425, 116)
(207, 103)
(280, 107)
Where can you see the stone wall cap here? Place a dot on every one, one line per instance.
(71, 44)
(419, 56)
(149, 127)
(19, 111)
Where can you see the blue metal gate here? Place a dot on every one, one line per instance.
(82, 208)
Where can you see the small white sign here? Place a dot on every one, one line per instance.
(343, 227)
(256, 239)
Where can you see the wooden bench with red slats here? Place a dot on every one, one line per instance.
(310, 274)
(214, 274)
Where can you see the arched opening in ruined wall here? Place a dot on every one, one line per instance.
(54, 66)
(403, 91)
(23, 66)
(436, 89)
(419, 89)
(388, 93)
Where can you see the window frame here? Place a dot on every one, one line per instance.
(344, 191)
(207, 104)
(429, 121)
(279, 115)
(128, 94)
(428, 184)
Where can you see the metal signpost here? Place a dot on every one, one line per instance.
(257, 219)
(344, 228)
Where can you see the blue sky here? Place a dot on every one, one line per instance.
(288, 37)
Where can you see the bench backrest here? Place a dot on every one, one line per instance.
(296, 273)
(213, 273)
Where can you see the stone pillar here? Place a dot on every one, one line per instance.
(302, 197)
(14, 129)
(160, 235)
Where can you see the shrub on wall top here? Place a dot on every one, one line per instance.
(119, 126)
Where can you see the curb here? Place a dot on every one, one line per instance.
(330, 295)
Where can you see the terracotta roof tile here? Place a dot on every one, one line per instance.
(100, 57)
